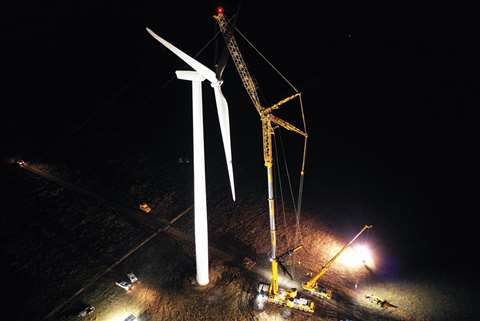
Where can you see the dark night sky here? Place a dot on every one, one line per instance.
(389, 91)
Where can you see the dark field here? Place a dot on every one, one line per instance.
(59, 239)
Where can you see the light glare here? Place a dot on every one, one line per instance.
(364, 255)
(357, 256)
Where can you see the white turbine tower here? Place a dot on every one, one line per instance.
(202, 72)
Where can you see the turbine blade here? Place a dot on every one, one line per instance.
(221, 63)
(196, 65)
(223, 119)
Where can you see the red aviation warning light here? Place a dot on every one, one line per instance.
(220, 11)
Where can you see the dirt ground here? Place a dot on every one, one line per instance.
(73, 238)
(167, 291)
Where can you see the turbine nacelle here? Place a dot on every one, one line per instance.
(189, 75)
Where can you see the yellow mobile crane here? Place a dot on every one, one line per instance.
(270, 293)
(312, 287)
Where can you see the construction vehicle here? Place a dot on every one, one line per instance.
(145, 207)
(379, 301)
(132, 277)
(266, 293)
(312, 285)
(131, 317)
(87, 309)
(126, 285)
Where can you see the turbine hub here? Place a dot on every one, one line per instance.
(216, 84)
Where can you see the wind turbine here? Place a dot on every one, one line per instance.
(203, 72)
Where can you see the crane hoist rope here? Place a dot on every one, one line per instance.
(265, 58)
(298, 239)
(279, 180)
(298, 235)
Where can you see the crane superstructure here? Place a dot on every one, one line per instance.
(274, 294)
(312, 285)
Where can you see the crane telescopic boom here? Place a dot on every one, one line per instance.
(311, 285)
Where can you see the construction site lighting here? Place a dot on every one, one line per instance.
(120, 316)
(357, 257)
(121, 313)
(364, 254)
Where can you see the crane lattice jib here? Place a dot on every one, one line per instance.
(285, 124)
(237, 58)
